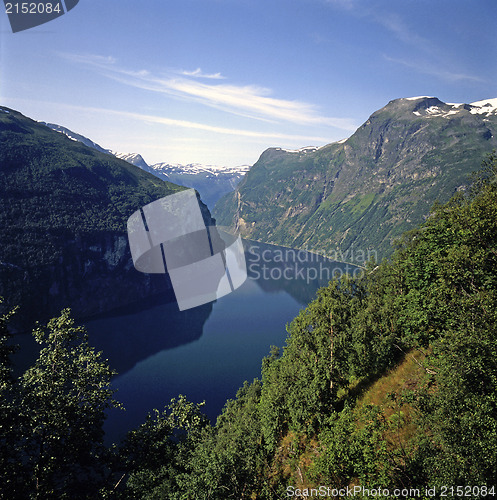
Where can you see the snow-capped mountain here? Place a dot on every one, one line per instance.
(363, 192)
(306, 149)
(210, 181)
(197, 168)
(487, 107)
(133, 158)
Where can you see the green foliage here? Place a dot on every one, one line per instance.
(455, 255)
(230, 461)
(53, 190)
(62, 410)
(6, 350)
(353, 447)
(156, 457)
(9, 432)
(57, 409)
(343, 335)
(438, 293)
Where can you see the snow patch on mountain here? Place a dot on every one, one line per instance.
(133, 158)
(76, 137)
(485, 107)
(197, 168)
(307, 149)
(416, 98)
(211, 181)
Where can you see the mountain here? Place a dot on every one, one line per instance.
(76, 137)
(351, 198)
(211, 182)
(63, 213)
(133, 158)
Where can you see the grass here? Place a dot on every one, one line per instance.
(404, 376)
(387, 392)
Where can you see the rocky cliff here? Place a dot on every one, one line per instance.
(63, 213)
(352, 198)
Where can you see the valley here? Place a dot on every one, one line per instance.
(364, 192)
(384, 373)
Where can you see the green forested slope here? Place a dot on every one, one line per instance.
(63, 213)
(386, 381)
(53, 188)
(389, 380)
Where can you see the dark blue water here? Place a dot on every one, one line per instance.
(205, 353)
(235, 337)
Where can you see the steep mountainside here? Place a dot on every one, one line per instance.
(135, 159)
(76, 137)
(63, 213)
(356, 195)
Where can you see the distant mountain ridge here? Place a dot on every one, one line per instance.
(75, 136)
(363, 192)
(133, 158)
(212, 182)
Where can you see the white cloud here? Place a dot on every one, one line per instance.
(198, 73)
(244, 100)
(91, 59)
(208, 128)
(396, 25)
(97, 113)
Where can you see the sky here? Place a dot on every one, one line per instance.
(217, 82)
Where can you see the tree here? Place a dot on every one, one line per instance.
(155, 457)
(230, 462)
(9, 432)
(61, 403)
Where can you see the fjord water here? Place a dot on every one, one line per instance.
(205, 353)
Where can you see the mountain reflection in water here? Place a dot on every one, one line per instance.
(205, 353)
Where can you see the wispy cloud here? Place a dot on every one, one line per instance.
(342, 4)
(435, 70)
(397, 26)
(209, 128)
(198, 73)
(91, 59)
(246, 100)
(171, 122)
(435, 60)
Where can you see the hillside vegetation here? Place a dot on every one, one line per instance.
(386, 381)
(53, 188)
(63, 213)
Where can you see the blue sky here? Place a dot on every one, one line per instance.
(219, 81)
